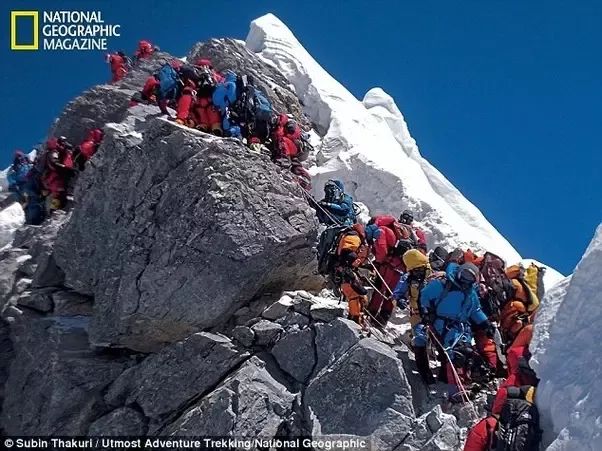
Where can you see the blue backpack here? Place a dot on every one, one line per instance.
(262, 107)
(168, 81)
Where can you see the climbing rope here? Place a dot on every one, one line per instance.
(463, 391)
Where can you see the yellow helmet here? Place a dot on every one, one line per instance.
(414, 259)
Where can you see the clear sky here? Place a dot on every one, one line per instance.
(504, 97)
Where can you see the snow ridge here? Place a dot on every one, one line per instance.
(368, 146)
(567, 357)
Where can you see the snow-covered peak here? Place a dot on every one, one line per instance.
(566, 356)
(368, 146)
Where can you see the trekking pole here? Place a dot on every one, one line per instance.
(456, 376)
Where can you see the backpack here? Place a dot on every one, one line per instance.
(168, 81)
(518, 424)
(327, 248)
(500, 288)
(530, 282)
(305, 148)
(406, 238)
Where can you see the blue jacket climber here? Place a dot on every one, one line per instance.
(337, 206)
(453, 306)
(18, 173)
(224, 96)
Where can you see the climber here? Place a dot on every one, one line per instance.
(337, 206)
(285, 135)
(388, 268)
(351, 253)
(167, 88)
(438, 258)
(189, 76)
(409, 286)
(521, 373)
(118, 63)
(515, 428)
(224, 96)
(206, 116)
(406, 238)
(145, 50)
(18, 174)
(252, 111)
(527, 287)
(57, 172)
(407, 217)
(87, 148)
(449, 308)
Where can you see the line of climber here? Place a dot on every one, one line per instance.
(473, 310)
(231, 104)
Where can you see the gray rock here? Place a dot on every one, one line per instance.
(69, 303)
(166, 380)
(47, 274)
(28, 266)
(302, 305)
(278, 309)
(120, 422)
(162, 265)
(9, 264)
(293, 320)
(266, 332)
(6, 355)
(327, 312)
(39, 301)
(296, 354)
(333, 340)
(364, 393)
(249, 404)
(56, 382)
(21, 285)
(244, 335)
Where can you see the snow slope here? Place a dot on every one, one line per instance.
(11, 218)
(567, 358)
(367, 144)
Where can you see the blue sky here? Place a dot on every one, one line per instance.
(504, 97)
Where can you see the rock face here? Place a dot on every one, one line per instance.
(56, 381)
(204, 227)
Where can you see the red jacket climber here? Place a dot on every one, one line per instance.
(520, 373)
(285, 136)
(480, 437)
(88, 147)
(145, 50)
(383, 241)
(58, 166)
(118, 63)
(206, 116)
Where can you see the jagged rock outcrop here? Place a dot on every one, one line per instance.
(203, 227)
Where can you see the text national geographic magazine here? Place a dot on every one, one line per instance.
(329, 226)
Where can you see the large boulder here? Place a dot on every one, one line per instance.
(56, 383)
(174, 230)
(371, 393)
(250, 404)
(166, 380)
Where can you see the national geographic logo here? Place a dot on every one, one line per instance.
(60, 30)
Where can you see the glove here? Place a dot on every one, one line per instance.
(402, 303)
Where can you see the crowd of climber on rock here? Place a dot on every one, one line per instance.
(471, 313)
(228, 105)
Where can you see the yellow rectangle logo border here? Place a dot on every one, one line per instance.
(13, 30)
